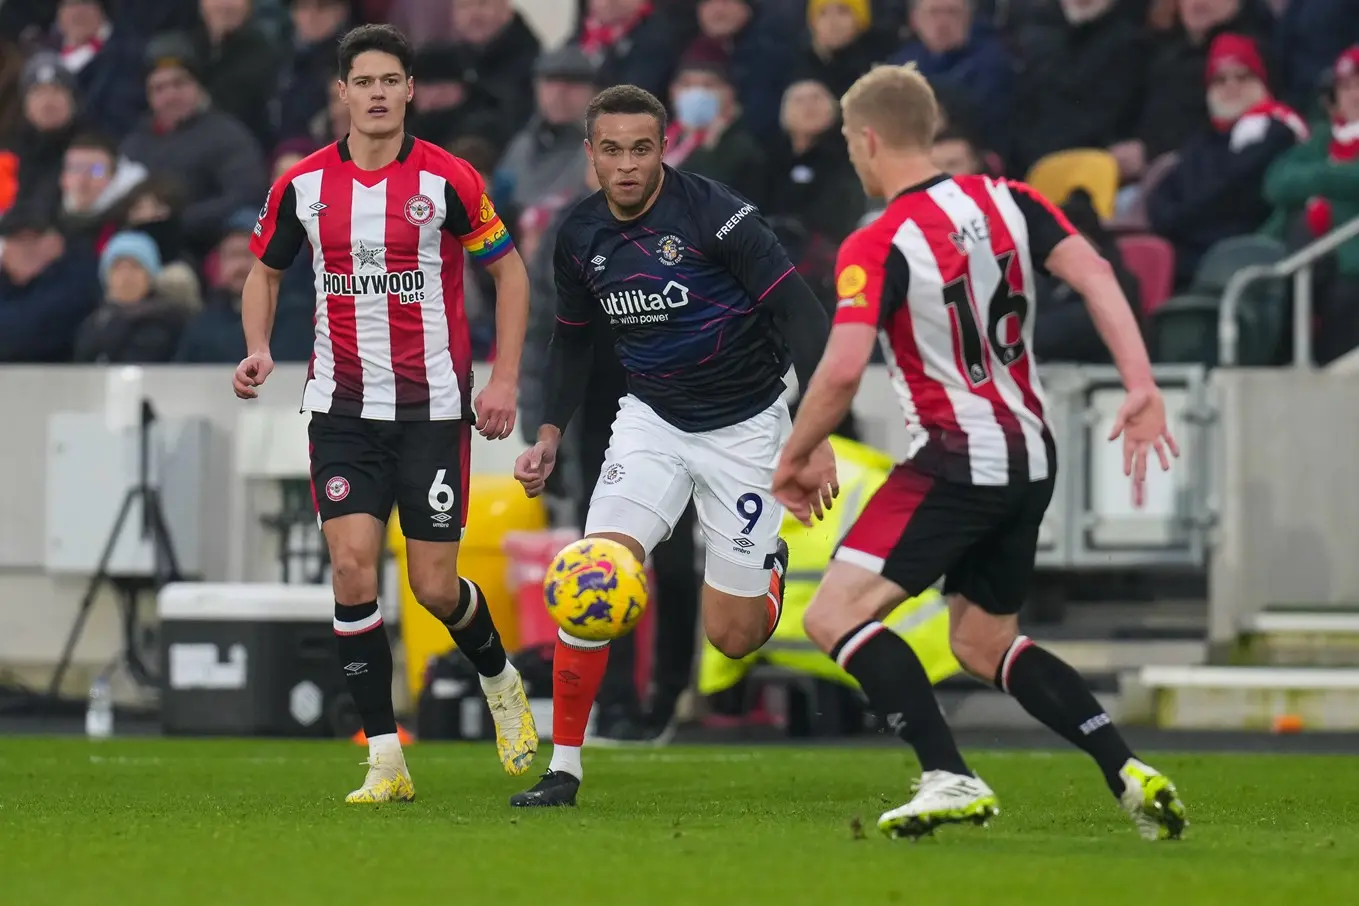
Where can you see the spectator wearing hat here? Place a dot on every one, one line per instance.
(843, 44)
(47, 286)
(213, 156)
(239, 64)
(631, 43)
(1315, 187)
(541, 169)
(953, 47)
(214, 335)
(307, 79)
(136, 324)
(759, 51)
(95, 180)
(1172, 109)
(105, 61)
(706, 135)
(30, 163)
(1216, 189)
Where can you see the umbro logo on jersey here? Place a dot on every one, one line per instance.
(598, 261)
(318, 207)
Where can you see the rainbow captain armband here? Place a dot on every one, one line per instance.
(489, 241)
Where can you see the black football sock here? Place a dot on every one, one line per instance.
(899, 689)
(366, 661)
(1053, 692)
(473, 630)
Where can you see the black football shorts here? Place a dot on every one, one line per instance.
(981, 539)
(363, 465)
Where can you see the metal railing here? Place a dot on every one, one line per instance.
(1299, 267)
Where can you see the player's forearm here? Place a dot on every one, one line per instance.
(804, 325)
(1113, 317)
(823, 407)
(568, 374)
(259, 301)
(1076, 262)
(511, 316)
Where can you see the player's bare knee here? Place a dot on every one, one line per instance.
(354, 575)
(819, 621)
(978, 639)
(437, 594)
(847, 597)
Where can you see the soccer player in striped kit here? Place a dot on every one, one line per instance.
(388, 218)
(944, 280)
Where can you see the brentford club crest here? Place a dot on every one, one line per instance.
(420, 210)
(337, 489)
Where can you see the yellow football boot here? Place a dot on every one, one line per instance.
(516, 735)
(941, 798)
(1152, 802)
(387, 780)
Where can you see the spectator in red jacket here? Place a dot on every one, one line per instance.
(1215, 191)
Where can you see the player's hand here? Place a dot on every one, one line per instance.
(495, 408)
(534, 465)
(807, 485)
(821, 468)
(253, 371)
(1141, 422)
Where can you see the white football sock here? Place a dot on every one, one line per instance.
(386, 745)
(501, 681)
(567, 758)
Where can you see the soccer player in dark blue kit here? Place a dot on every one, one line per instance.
(706, 313)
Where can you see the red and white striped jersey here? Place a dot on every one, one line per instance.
(947, 274)
(387, 249)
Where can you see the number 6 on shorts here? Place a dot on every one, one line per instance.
(749, 507)
(441, 495)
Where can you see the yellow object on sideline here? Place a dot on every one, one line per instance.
(497, 505)
(922, 621)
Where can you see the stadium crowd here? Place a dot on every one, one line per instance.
(138, 138)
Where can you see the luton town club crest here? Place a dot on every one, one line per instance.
(670, 250)
(420, 210)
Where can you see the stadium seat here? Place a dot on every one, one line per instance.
(1183, 330)
(1264, 304)
(1092, 169)
(1152, 261)
(1230, 255)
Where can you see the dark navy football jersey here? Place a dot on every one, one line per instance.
(681, 287)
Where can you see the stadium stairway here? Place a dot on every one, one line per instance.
(1292, 669)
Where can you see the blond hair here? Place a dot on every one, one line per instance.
(897, 103)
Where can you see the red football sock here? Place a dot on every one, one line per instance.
(576, 675)
(773, 603)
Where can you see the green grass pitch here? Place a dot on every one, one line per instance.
(199, 823)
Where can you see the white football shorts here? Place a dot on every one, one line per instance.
(652, 469)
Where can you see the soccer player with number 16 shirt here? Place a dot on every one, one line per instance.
(946, 278)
